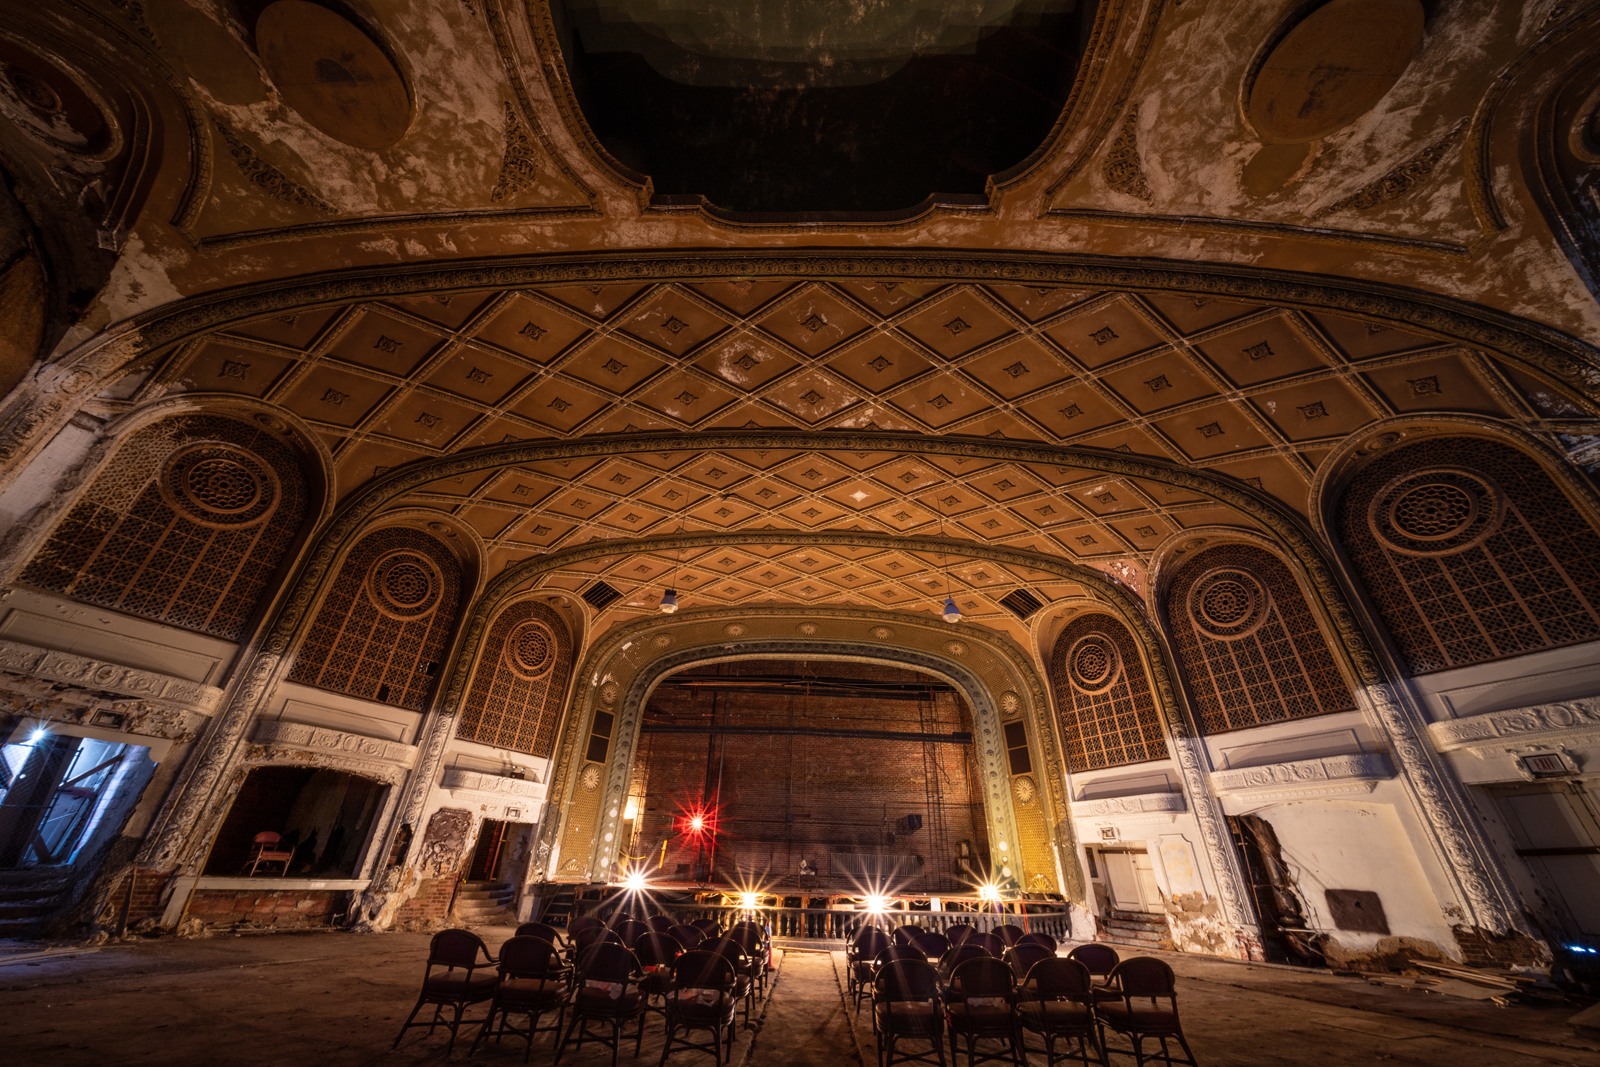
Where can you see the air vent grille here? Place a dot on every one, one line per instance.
(1021, 603)
(599, 595)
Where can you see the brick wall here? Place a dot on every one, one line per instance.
(785, 797)
(432, 900)
(146, 901)
(283, 908)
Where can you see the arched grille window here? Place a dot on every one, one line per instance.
(185, 526)
(382, 628)
(1249, 645)
(520, 683)
(1471, 552)
(1108, 712)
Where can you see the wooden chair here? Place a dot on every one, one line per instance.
(702, 998)
(1059, 1004)
(860, 962)
(607, 992)
(1138, 981)
(455, 951)
(533, 982)
(982, 993)
(266, 850)
(905, 1006)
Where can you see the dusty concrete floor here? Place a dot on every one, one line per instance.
(336, 999)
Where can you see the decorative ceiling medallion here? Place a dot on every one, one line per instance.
(661, 640)
(220, 486)
(733, 629)
(807, 628)
(1094, 663)
(1332, 68)
(405, 585)
(956, 648)
(530, 650)
(1228, 603)
(1436, 512)
(1024, 788)
(590, 778)
(882, 633)
(609, 693)
(333, 74)
(1010, 703)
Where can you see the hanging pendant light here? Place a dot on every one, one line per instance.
(951, 612)
(669, 602)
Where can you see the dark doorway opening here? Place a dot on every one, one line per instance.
(323, 816)
(493, 843)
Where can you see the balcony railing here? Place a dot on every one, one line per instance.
(839, 925)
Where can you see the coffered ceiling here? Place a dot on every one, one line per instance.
(1243, 391)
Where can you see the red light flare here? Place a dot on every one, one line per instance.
(698, 820)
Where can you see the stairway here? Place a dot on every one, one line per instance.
(1135, 929)
(485, 904)
(559, 911)
(28, 896)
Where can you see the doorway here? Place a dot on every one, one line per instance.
(1556, 828)
(51, 788)
(489, 852)
(1130, 880)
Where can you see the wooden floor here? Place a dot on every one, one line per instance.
(336, 999)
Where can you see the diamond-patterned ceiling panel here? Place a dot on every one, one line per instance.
(1256, 393)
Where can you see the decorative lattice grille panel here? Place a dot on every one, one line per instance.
(521, 680)
(185, 526)
(1249, 645)
(1108, 712)
(1472, 553)
(382, 629)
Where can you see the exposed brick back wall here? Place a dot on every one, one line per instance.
(844, 794)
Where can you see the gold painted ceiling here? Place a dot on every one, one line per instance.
(1156, 281)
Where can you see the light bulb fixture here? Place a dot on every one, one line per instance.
(38, 735)
(669, 602)
(951, 612)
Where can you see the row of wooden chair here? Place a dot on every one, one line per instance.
(867, 951)
(982, 999)
(600, 980)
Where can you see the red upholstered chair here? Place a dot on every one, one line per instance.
(266, 850)
(465, 981)
(1146, 1007)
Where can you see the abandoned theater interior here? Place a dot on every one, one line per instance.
(1127, 465)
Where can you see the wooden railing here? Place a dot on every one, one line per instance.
(834, 924)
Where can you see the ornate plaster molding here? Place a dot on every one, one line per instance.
(333, 742)
(110, 677)
(503, 788)
(1143, 804)
(1518, 726)
(1310, 777)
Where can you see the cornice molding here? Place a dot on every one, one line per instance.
(1116, 808)
(1540, 722)
(333, 742)
(1309, 777)
(108, 677)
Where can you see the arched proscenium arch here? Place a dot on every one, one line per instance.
(648, 674)
(43, 404)
(1481, 882)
